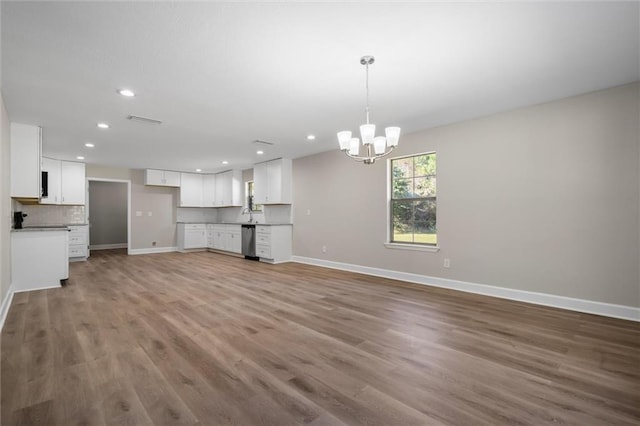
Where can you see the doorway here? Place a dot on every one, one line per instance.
(108, 213)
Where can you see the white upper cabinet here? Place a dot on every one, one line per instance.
(272, 182)
(229, 188)
(208, 190)
(162, 178)
(66, 182)
(190, 190)
(52, 167)
(26, 149)
(72, 183)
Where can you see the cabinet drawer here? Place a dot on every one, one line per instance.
(76, 239)
(194, 226)
(262, 229)
(263, 251)
(77, 251)
(263, 239)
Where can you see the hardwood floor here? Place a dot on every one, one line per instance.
(203, 338)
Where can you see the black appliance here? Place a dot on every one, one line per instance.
(249, 242)
(18, 218)
(45, 184)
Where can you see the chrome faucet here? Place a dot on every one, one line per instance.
(248, 210)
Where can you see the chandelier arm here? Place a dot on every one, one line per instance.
(370, 157)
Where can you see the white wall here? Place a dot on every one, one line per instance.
(5, 203)
(108, 212)
(160, 226)
(543, 199)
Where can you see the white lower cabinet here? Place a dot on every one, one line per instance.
(78, 242)
(273, 243)
(227, 238)
(192, 236)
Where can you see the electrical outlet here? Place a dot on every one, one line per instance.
(138, 214)
(149, 214)
(308, 212)
(324, 249)
(447, 263)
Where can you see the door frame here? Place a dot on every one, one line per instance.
(128, 182)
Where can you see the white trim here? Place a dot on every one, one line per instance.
(415, 247)
(47, 287)
(580, 305)
(109, 246)
(6, 304)
(152, 250)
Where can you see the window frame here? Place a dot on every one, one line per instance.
(249, 190)
(405, 245)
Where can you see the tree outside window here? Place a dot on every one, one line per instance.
(413, 199)
(253, 207)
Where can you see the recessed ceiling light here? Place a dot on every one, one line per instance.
(126, 92)
(89, 145)
(198, 170)
(225, 162)
(80, 157)
(311, 137)
(259, 152)
(103, 125)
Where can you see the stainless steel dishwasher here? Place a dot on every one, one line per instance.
(249, 242)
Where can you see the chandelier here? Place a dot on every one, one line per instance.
(374, 146)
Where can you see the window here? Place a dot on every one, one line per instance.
(413, 200)
(250, 205)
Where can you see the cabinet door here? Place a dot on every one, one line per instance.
(190, 190)
(52, 167)
(274, 182)
(171, 178)
(195, 238)
(209, 191)
(260, 183)
(72, 183)
(223, 189)
(153, 177)
(236, 243)
(218, 240)
(26, 149)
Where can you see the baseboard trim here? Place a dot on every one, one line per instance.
(108, 246)
(6, 304)
(562, 302)
(153, 250)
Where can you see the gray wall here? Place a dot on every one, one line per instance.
(108, 213)
(5, 203)
(543, 199)
(160, 201)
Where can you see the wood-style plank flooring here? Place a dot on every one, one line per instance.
(209, 339)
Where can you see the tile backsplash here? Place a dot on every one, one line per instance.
(53, 215)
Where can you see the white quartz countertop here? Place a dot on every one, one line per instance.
(233, 223)
(44, 228)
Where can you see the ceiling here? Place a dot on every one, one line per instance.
(221, 75)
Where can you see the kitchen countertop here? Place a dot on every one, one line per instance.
(42, 228)
(48, 227)
(233, 223)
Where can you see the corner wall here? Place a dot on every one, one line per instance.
(5, 206)
(542, 199)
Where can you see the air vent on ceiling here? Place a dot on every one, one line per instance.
(259, 142)
(143, 119)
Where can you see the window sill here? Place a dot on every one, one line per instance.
(415, 247)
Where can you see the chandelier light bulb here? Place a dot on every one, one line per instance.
(367, 133)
